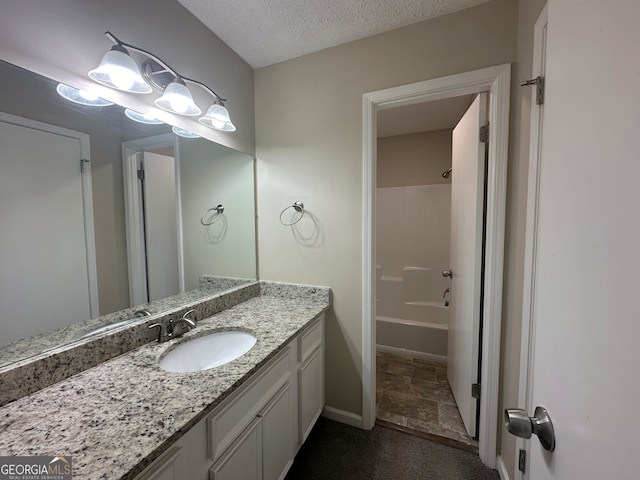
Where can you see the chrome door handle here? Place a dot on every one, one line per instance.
(447, 273)
(521, 425)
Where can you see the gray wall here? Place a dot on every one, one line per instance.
(309, 148)
(64, 39)
(210, 175)
(414, 159)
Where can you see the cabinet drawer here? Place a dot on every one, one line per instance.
(310, 339)
(225, 425)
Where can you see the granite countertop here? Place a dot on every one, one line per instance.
(116, 418)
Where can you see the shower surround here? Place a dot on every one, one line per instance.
(412, 238)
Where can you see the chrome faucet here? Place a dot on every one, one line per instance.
(167, 329)
(444, 295)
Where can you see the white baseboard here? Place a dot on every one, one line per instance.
(502, 469)
(342, 416)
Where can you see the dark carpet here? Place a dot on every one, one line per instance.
(336, 451)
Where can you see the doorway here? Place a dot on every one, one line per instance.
(415, 308)
(494, 80)
(153, 218)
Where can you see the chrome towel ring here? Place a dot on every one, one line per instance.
(298, 207)
(215, 217)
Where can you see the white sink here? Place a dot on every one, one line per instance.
(208, 351)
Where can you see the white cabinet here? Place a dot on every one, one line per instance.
(256, 432)
(264, 450)
(243, 459)
(279, 439)
(311, 396)
(169, 466)
(310, 379)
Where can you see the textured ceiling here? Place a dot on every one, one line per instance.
(264, 32)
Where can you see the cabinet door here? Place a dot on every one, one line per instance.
(169, 466)
(243, 459)
(311, 396)
(278, 434)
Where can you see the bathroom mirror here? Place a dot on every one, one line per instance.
(140, 224)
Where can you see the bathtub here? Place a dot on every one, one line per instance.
(417, 326)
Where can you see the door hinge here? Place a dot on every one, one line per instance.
(475, 390)
(484, 133)
(539, 83)
(83, 162)
(141, 175)
(522, 460)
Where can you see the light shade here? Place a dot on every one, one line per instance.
(83, 97)
(177, 99)
(184, 133)
(141, 117)
(118, 70)
(217, 117)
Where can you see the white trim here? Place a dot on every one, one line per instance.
(89, 229)
(531, 229)
(501, 468)
(342, 416)
(176, 160)
(87, 198)
(495, 80)
(135, 236)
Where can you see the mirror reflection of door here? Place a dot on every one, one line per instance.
(47, 242)
(157, 183)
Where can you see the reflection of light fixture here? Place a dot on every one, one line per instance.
(118, 70)
(177, 99)
(218, 117)
(83, 97)
(184, 133)
(141, 117)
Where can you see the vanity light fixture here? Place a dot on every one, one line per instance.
(119, 70)
(141, 117)
(184, 133)
(177, 99)
(83, 97)
(218, 117)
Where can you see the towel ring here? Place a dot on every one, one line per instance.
(298, 207)
(214, 218)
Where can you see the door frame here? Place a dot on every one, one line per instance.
(531, 233)
(496, 81)
(87, 197)
(135, 235)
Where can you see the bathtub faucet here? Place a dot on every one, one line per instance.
(444, 295)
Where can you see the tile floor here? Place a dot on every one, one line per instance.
(414, 392)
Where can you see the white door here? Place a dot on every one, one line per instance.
(161, 225)
(467, 195)
(43, 240)
(585, 304)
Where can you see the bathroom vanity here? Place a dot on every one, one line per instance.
(255, 433)
(127, 418)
